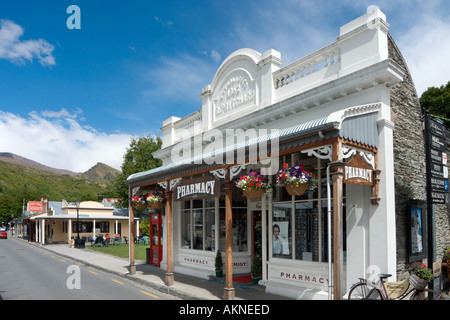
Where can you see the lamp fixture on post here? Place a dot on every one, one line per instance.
(79, 243)
(77, 203)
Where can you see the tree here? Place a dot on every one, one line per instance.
(144, 227)
(437, 102)
(137, 158)
(11, 203)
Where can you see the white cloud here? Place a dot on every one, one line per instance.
(17, 51)
(215, 55)
(175, 80)
(426, 47)
(163, 22)
(57, 139)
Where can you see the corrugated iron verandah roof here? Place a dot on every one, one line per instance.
(357, 127)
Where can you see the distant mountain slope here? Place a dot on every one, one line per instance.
(18, 173)
(16, 179)
(21, 161)
(101, 174)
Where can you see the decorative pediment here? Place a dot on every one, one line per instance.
(235, 93)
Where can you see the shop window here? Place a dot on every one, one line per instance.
(239, 229)
(300, 223)
(282, 230)
(210, 229)
(198, 229)
(186, 229)
(104, 226)
(119, 228)
(82, 226)
(198, 225)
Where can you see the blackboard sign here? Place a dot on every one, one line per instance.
(436, 157)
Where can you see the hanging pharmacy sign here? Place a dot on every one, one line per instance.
(200, 188)
(358, 171)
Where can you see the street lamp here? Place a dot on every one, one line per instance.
(79, 243)
(77, 203)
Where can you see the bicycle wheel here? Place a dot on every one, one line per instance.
(426, 294)
(361, 291)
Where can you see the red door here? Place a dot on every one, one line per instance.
(155, 239)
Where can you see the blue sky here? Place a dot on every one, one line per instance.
(72, 97)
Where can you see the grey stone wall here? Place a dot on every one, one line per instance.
(409, 162)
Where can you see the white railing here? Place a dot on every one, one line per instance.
(305, 66)
(189, 121)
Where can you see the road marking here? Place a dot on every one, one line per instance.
(62, 260)
(92, 272)
(117, 281)
(149, 294)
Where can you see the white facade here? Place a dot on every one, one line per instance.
(324, 91)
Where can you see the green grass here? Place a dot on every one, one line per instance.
(122, 251)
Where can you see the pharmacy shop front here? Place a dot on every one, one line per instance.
(327, 114)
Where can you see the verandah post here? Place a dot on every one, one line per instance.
(229, 293)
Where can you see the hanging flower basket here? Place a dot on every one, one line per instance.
(417, 282)
(156, 200)
(140, 205)
(296, 190)
(297, 180)
(156, 205)
(254, 194)
(253, 185)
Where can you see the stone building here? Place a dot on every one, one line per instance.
(409, 162)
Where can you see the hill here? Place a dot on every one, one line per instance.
(24, 162)
(16, 179)
(101, 174)
(18, 174)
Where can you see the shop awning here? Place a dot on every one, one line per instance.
(358, 124)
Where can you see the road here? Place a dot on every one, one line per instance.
(28, 272)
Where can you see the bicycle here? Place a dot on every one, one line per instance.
(361, 291)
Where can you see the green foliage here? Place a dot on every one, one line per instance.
(122, 251)
(22, 184)
(218, 262)
(144, 227)
(421, 270)
(138, 158)
(437, 102)
(256, 266)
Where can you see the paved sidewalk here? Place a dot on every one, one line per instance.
(184, 287)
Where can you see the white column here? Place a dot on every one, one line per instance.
(69, 231)
(266, 201)
(137, 228)
(43, 231)
(36, 231)
(382, 236)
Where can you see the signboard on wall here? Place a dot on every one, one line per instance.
(358, 171)
(199, 188)
(437, 170)
(34, 206)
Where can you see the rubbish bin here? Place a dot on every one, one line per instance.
(79, 243)
(147, 251)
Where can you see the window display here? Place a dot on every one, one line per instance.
(281, 230)
(299, 223)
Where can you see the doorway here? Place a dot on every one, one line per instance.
(257, 234)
